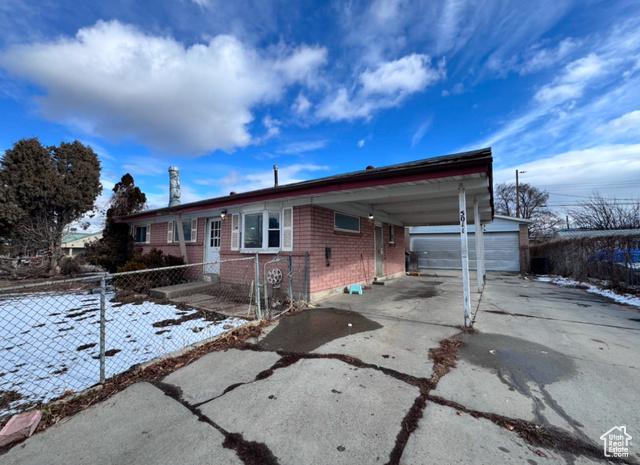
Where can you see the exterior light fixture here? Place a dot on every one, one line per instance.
(370, 216)
(223, 213)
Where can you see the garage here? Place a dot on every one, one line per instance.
(505, 242)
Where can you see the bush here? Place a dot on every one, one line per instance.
(607, 258)
(143, 282)
(70, 266)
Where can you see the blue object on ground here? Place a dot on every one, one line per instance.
(355, 288)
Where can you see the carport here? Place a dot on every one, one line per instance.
(449, 190)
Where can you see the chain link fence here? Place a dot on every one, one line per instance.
(614, 260)
(62, 337)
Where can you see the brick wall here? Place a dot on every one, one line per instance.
(195, 250)
(525, 256)
(352, 254)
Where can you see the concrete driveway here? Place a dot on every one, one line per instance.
(353, 382)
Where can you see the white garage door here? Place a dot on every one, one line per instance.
(443, 251)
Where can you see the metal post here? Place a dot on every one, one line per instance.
(258, 311)
(306, 276)
(465, 255)
(103, 323)
(479, 251)
(290, 278)
(482, 254)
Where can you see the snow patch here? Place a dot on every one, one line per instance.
(628, 299)
(50, 342)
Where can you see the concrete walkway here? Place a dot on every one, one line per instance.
(549, 372)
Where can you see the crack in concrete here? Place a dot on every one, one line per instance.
(549, 437)
(250, 452)
(444, 358)
(522, 315)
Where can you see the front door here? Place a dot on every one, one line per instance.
(212, 246)
(379, 251)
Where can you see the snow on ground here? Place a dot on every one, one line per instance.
(50, 342)
(621, 298)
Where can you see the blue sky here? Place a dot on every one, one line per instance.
(225, 90)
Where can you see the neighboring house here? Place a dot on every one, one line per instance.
(506, 243)
(74, 244)
(346, 223)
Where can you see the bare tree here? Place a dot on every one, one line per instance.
(533, 206)
(599, 212)
(532, 200)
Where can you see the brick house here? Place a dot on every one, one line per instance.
(352, 226)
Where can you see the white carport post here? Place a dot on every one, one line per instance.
(479, 245)
(465, 255)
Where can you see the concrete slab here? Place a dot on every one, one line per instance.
(218, 305)
(400, 345)
(558, 366)
(429, 299)
(444, 436)
(179, 290)
(138, 425)
(318, 412)
(209, 376)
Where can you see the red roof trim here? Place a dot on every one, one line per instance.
(340, 183)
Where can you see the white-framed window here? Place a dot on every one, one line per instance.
(141, 234)
(347, 223)
(267, 230)
(392, 234)
(189, 229)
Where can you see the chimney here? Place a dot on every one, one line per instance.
(174, 186)
(275, 175)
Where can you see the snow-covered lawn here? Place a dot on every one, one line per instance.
(50, 342)
(621, 298)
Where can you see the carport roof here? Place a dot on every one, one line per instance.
(423, 192)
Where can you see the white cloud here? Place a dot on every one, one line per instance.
(360, 143)
(412, 73)
(385, 10)
(386, 86)
(611, 169)
(301, 106)
(539, 58)
(273, 129)
(120, 82)
(301, 64)
(628, 124)
(238, 182)
(572, 83)
(301, 147)
(420, 133)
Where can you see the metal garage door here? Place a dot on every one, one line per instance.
(443, 251)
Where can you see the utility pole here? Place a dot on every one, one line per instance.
(517, 196)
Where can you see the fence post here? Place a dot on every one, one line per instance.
(103, 321)
(258, 311)
(290, 274)
(306, 276)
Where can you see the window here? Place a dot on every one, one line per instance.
(214, 238)
(274, 229)
(189, 229)
(392, 235)
(264, 230)
(252, 237)
(346, 223)
(142, 234)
